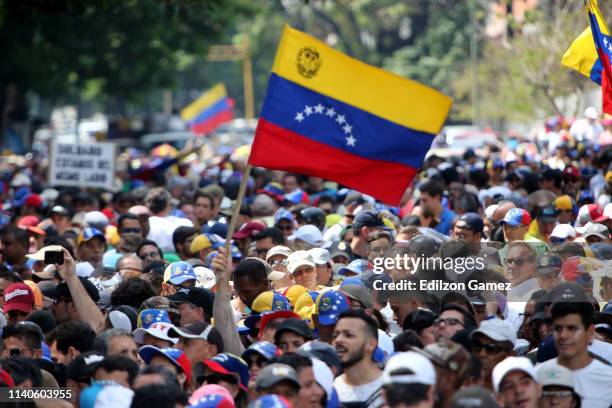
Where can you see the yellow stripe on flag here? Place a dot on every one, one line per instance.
(207, 99)
(312, 64)
(581, 55)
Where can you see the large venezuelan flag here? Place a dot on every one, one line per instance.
(603, 45)
(329, 115)
(209, 111)
(582, 55)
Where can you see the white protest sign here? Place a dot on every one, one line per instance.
(82, 165)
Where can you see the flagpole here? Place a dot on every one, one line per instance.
(237, 205)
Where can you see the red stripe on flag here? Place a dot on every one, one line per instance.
(212, 123)
(280, 149)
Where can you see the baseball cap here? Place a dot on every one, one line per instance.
(205, 277)
(512, 364)
(147, 317)
(329, 305)
(83, 366)
(422, 369)
(516, 217)
(299, 258)
(296, 326)
(471, 221)
(564, 202)
(358, 293)
(209, 389)
(554, 374)
(594, 229)
(567, 292)
(574, 267)
(232, 364)
(58, 209)
(198, 330)
(270, 301)
(607, 212)
(547, 214)
(320, 256)
(324, 352)
(548, 263)
(356, 267)
(201, 297)
(563, 232)
(283, 214)
(272, 374)
(62, 291)
(571, 171)
(88, 234)
(178, 273)
(309, 234)
(270, 401)
(473, 397)
(175, 356)
(340, 248)
(588, 212)
(496, 329)
(449, 355)
(159, 330)
(213, 401)
(18, 296)
(367, 218)
(264, 348)
(249, 229)
(294, 293)
(199, 243)
(278, 250)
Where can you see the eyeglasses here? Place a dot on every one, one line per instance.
(449, 321)
(517, 261)
(130, 230)
(149, 255)
(259, 362)
(490, 348)
(278, 262)
(557, 394)
(556, 240)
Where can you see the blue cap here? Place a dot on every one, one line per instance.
(216, 241)
(176, 356)
(607, 308)
(218, 228)
(180, 272)
(516, 217)
(270, 401)
(329, 306)
(353, 280)
(264, 348)
(149, 316)
(472, 221)
(283, 214)
(234, 364)
(358, 266)
(90, 233)
(236, 254)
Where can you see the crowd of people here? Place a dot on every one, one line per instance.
(135, 297)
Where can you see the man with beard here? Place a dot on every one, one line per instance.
(356, 340)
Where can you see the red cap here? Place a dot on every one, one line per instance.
(30, 223)
(33, 200)
(571, 171)
(249, 229)
(6, 378)
(18, 296)
(279, 314)
(109, 213)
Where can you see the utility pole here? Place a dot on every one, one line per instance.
(239, 52)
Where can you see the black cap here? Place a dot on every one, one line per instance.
(200, 297)
(547, 214)
(422, 245)
(44, 319)
(367, 218)
(354, 196)
(62, 291)
(568, 292)
(471, 221)
(297, 326)
(548, 263)
(322, 351)
(83, 366)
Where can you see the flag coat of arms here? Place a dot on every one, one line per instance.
(328, 115)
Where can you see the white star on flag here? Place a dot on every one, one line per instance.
(350, 141)
(347, 128)
(334, 307)
(340, 119)
(605, 41)
(299, 117)
(330, 112)
(308, 111)
(319, 108)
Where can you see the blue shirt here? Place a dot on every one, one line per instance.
(446, 220)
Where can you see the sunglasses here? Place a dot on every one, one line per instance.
(259, 362)
(490, 348)
(517, 261)
(450, 321)
(278, 262)
(130, 230)
(557, 394)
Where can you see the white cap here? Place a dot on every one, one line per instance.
(591, 113)
(497, 330)
(608, 210)
(158, 330)
(299, 258)
(278, 250)
(84, 269)
(40, 254)
(554, 374)
(490, 210)
(423, 369)
(323, 376)
(139, 210)
(21, 180)
(512, 364)
(320, 256)
(309, 234)
(594, 229)
(385, 343)
(563, 231)
(120, 320)
(205, 277)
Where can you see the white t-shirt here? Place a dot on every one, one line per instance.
(162, 228)
(602, 349)
(593, 383)
(348, 393)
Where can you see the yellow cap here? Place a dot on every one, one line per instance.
(199, 243)
(293, 292)
(305, 300)
(306, 314)
(564, 202)
(609, 176)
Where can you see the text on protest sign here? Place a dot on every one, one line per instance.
(83, 165)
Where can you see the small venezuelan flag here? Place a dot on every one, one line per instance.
(209, 111)
(329, 115)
